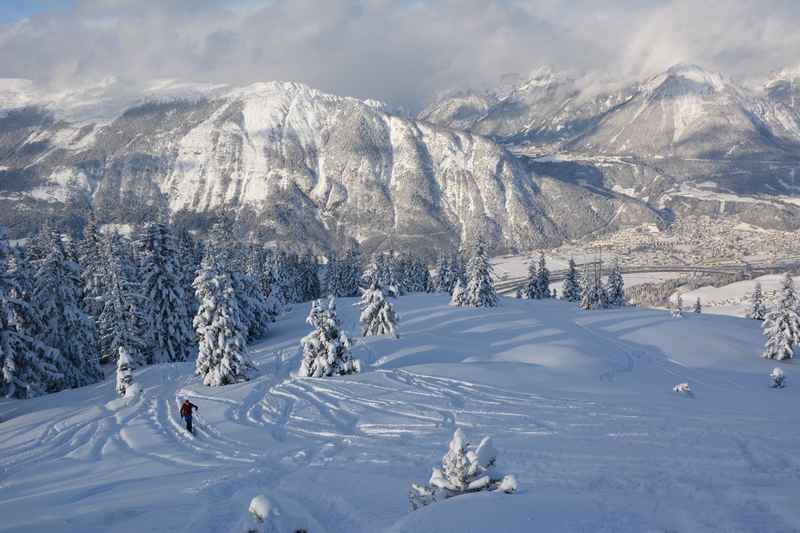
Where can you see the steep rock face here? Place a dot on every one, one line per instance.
(300, 166)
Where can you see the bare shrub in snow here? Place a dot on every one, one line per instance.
(464, 470)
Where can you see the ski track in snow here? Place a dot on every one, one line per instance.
(282, 435)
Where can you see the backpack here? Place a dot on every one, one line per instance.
(186, 409)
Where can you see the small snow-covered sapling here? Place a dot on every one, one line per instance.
(778, 378)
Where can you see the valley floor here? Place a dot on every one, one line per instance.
(580, 405)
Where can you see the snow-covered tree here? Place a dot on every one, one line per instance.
(442, 279)
(326, 348)
(125, 368)
(616, 287)
(480, 291)
(757, 310)
(571, 288)
(589, 297)
(162, 288)
(56, 300)
(123, 323)
(222, 332)
(782, 324)
(28, 367)
(93, 270)
(459, 295)
(778, 378)
(377, 315)
(677, 307)
(698, 307)
(464, 470)
(542, 279)
(531, 286)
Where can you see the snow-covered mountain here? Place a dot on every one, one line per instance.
(685, 140)
(300, 165)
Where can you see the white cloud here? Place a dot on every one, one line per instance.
(401, 51)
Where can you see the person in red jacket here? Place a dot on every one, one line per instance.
(186, 413)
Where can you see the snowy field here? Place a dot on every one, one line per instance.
(580, 405)
(734, 299)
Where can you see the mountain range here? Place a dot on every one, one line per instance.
(540, 160)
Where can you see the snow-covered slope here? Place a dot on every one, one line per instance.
(579, 403)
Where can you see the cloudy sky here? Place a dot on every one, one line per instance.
(400, 51)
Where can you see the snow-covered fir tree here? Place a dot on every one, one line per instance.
(570, 287)
(698, 307)
(93, 272)
(28, 367)
(590, 297)
(222, 333)
(531, 286)
(229, 256)
(441, 281)
(125, 368)
(464, 469)
(123, 323)
(56, 300)
(616, 287)
(189, 258)
(457, 271)
(757, 309)
(782, 325)
(326, 350)
(480, 291)
(458, 297)
(415, 275)
(350, 272)
(162, 288)
(677, 307)
(542, 279)
(378, 316)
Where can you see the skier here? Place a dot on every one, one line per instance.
(186, 414)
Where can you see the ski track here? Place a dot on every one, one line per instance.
(279, 426)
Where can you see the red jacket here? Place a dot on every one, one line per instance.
(186, 408)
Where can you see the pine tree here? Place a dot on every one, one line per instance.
(125, 368)
(93, 274)
(757, 311)
(28, 367)
(123, 322)
(326, 348)
(480, 291)
(542, 279)
(589, 296)
(459, 295)
(531, 287)
(350, 274)
(162, 288)
(571, 288)
(56, 299)
(782, 325)
(442, 279)
(222, 332)
(677, 308)
(189, 260)
(377, 315)
(698, 307)
(256, 310)
(616, 287)
(464, 469)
